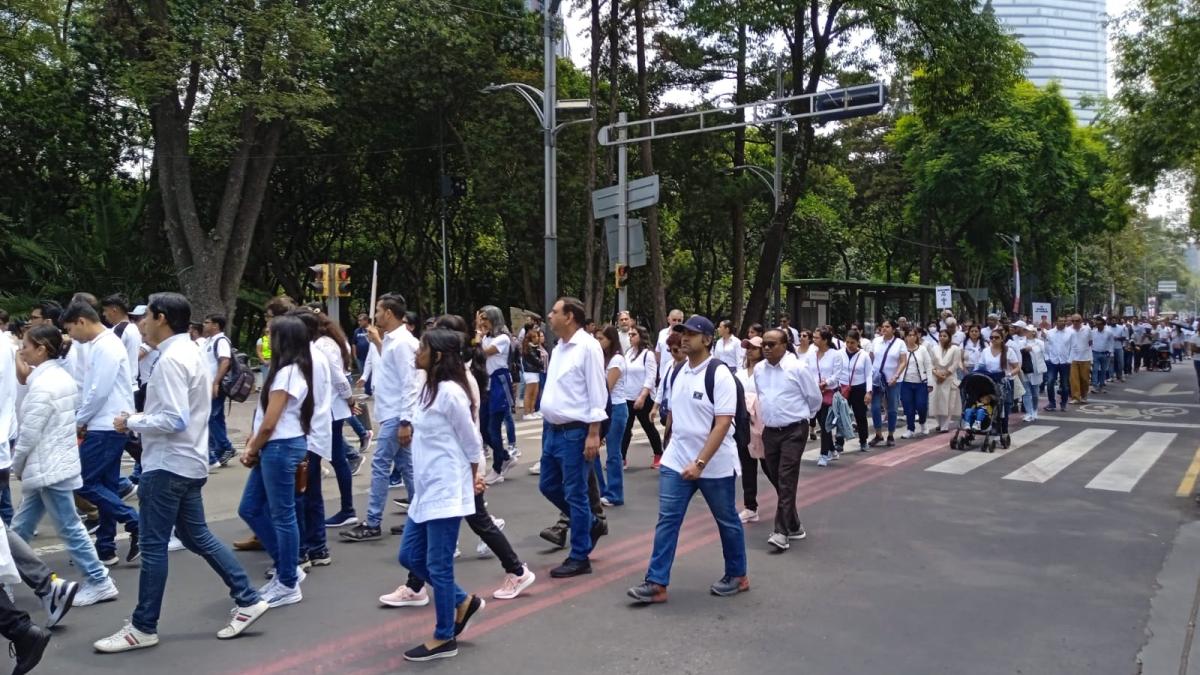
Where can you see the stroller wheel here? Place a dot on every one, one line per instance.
(953, 443)
(1167, 366)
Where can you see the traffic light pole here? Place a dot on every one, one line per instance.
(622, 213)
(549, 96)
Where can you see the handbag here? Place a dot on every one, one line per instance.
(845, 388)
(826, 394)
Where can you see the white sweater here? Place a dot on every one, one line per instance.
(46, 452)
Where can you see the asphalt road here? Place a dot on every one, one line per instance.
(1071, 553)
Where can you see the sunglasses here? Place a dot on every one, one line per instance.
(769, 345)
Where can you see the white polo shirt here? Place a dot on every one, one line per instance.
(692, 418)
(1081, 343)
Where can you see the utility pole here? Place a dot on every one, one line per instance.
(622, 211)
(777, 187)
(442, 192)
(550, 202)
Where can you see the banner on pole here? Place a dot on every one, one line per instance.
(1041, 313)
(945, 297)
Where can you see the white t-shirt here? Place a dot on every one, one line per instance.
(991, 362)
(692, 419)
(1081, 344)
(888, 363)
(131, 337)
(617, 396)
(664, 352)
(290, 380)
(499, 360)
(216, 348)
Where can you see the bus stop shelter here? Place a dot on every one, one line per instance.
(842, 302)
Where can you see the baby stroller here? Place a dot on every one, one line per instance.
(974, 387)
(1160, 356)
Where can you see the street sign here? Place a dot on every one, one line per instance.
(978, 294)
(1168, 286)
(945, 297)
(1129, 310)
(637, 243)
(639, 193)
(1041, 313)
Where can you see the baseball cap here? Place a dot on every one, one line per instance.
(755, 341)
(1020, 325)
(696, 324)
(140, 310)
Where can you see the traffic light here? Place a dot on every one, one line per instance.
(319, 280)
(622, 275)
(341, 278)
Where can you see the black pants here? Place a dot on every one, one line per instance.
(13, 622)
(826, 432)
(749, 478)
(783, 449)
(643, 417)
(858, 403)
(481, 524)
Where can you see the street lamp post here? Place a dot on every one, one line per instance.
(1013, 240)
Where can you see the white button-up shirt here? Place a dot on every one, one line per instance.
(728, 351)
(445, 444)
(392, 379)
(174, 427)
(692, 418)
(1058, 346)
(640, 371)
(131, 337)
(787, 392)
(100, 400)
(1102, 340)
(576, 388)
(858, 370)
(1081, 343)
(8, 401)
(831, 367)
(320, 431)
(342, 391)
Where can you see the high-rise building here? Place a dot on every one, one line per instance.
(1067, 43)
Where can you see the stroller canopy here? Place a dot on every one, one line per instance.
(977, 385)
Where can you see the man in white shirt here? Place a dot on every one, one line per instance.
(116, 313)
(1119, 338)
(394, 385)
(573, 406)
(1102, 346)
(986, 331)
(788, 397)
(174, 428)
(661, 350)
(105, 394)
(785, 324)
(218, 352)
(1081, 359)
(701, 456)
(624, 325)
(1058, 362)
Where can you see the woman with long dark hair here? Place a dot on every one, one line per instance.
(610, 476)
(492, 339)
(276, 447)
(446, 455)
(639, 390)
(830, 367)
(858, 384)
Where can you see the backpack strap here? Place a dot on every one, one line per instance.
(710, 379)
(119, 329)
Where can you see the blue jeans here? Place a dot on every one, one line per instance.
(341, 467)
(269, 504)
(310, 511)
(1029, 399)
(489, 428)
(1099, 369)
(427, 550)
(541, 387)
(980, 414)
(6, 506)
(387, 451)
(915, 396)
(60, 502)
(674, 495)
(611, 477)
(1061, 373)
(890, 396)
(357, 426)
(172, 501)
(1118, 360)
(564, 481)
(218, 439)
(100, 456)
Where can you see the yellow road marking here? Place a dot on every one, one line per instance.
(1188, 485)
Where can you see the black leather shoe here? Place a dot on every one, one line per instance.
(599, 529)
(29, 647)
(555, 534)
(571, 568)
(397, 529)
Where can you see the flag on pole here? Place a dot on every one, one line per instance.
(1016, 309)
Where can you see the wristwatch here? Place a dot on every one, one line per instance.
(700, 463)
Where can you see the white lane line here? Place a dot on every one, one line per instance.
(970, 460)
(1125, 471)
(1063, 455)
(1129, 423)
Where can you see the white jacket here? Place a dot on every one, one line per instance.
(46, 452)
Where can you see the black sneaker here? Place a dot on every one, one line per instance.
(891, 441)
(109, 559)
(878, 440)
(361, 532)
(555, 534)
(402, 504)
(135, 551)
(571, 568)
(422, 653)
(225, 456)
(475, 603)
(397, 529)
(599, 529)
(320, 558)
(355, 464)
(28, 648)
(341, 519)
(92, 524)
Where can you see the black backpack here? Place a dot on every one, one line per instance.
(741, 417)
(238, 382)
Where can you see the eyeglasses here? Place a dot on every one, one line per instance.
(769, 345)
(997, 337)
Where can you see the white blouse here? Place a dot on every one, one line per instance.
(858, 369)
(640, 372)
(445, 444)
(728, 351)
(617, 395)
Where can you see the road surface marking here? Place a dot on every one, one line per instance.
(1128, 423)
(1188, 485)
(971, 460)
(1125, 471)
(1048, 465)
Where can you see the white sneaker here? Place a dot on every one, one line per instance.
(748, 516)
(535, 468)
(93, 593)
(493, 478)
(174, 544)
(907, 434)
(1027, 418)
(514, 451)
(508, 465)
(835, 455)
(59, 600)
(242, 618)
(404, 596)
(126, 639)
(457, 552)
(281, 595)
(533, 416)
(605, 501)
(822, 461)
(482, 549)
(513, 585)
(779, 541)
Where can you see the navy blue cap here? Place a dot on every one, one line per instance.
(696, 324)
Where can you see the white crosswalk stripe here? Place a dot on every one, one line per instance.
(969, 461)
(1125, 472)
(1060, 457)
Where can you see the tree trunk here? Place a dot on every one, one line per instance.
(659, 293)
(739, 158)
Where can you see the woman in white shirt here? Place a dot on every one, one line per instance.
(493, 339)
(610, 476)
(858, 384)
(751, 455)
(275, 450)
(332, 343)
(915, 385)
(973, 348)
(728, 348)
(638, 391)
(946, 358)
(888, 359)
(446, 455)
(830, 366)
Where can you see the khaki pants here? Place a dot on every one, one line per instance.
(1081, 379)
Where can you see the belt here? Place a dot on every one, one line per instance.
(569, 426)
(789, 427)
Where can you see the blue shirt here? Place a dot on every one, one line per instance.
(362, 345)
